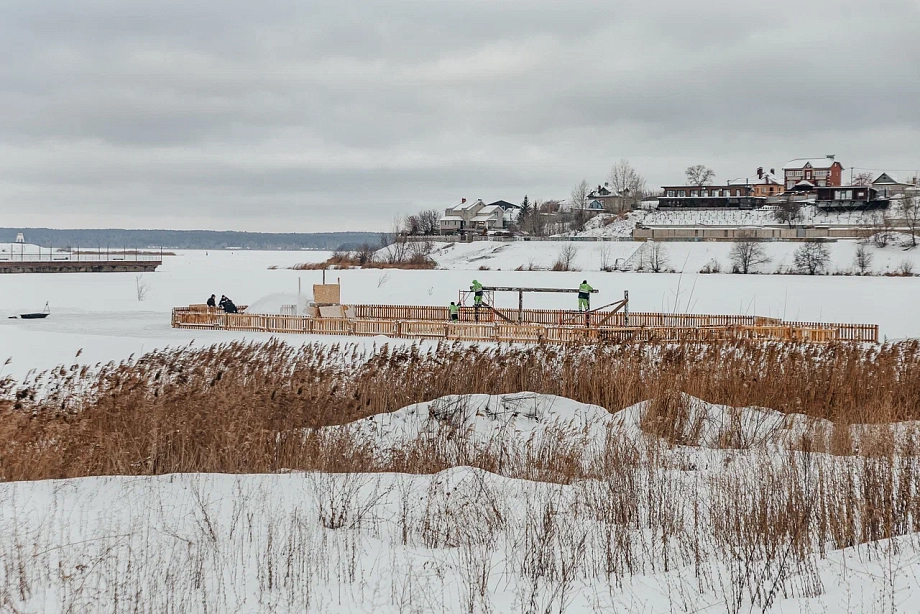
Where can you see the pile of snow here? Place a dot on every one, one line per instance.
(490, 420)
(509, 421)
(276, 303)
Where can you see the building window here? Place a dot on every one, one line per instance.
(671, 193)
(704, 193)
(683, 193)
(694, 193)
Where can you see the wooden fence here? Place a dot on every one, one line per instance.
(555, 329)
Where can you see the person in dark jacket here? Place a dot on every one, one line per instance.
(229, 307)
(212, 302)
(223, 299)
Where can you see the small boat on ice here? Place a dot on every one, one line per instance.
(38, 315)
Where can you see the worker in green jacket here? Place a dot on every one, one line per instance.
(476, 288)
(584, 296)
(454, 311)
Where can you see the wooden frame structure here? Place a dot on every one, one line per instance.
(534, 326)
(489, 300)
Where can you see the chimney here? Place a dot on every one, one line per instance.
(462, 200)
(772, 171)
(760, 172)
(831, 156)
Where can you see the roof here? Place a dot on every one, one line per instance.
(504, 204)
(488, 210)
(887, 179)
(468, 205)
(824, 162)
(483, 218)
(451, 218)
(767, 179)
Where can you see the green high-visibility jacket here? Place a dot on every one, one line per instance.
(476, 286)
(454, 309)
(585, 288)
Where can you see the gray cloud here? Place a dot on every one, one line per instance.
(288, 115)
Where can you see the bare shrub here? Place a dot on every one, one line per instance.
(566, 258)
(142, 287)
(906, 268)
(882, 232)
(863, 259)
(811, 258)
(606, 262)
(712, 266)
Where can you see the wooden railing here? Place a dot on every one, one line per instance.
(640, 327)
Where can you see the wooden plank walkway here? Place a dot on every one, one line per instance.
(549, 326)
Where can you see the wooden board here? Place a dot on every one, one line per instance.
(327, 294)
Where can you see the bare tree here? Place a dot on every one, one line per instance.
(789, 213)
(658, 257)
(580, 196)
(365, 254)
(393, 244)
(812, 258)
(747, 254)
(863, 179)
(429, 222)
(700, 175)
(910, 210)
(863, 259)
(411, 226)
(627, 183)
(579, 220)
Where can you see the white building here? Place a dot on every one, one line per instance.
(471, 217)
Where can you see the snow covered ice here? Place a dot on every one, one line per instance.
(460, 539)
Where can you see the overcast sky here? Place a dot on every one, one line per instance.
(315, 116)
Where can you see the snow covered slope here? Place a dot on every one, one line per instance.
(667, 529)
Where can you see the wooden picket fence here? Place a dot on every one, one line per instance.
(549, 326)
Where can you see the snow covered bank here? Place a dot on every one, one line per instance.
(677, 256)
(663, 529)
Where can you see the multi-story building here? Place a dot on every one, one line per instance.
(471, 217)
(818, 172)
(739, 195)
(767, 184)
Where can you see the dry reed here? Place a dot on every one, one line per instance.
(242, 407)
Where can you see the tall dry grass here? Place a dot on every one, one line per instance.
(246, 407)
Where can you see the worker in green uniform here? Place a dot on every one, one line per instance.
(454, 311)
(476, 288)
(584, 296)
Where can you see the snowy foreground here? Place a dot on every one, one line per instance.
(651, 536)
